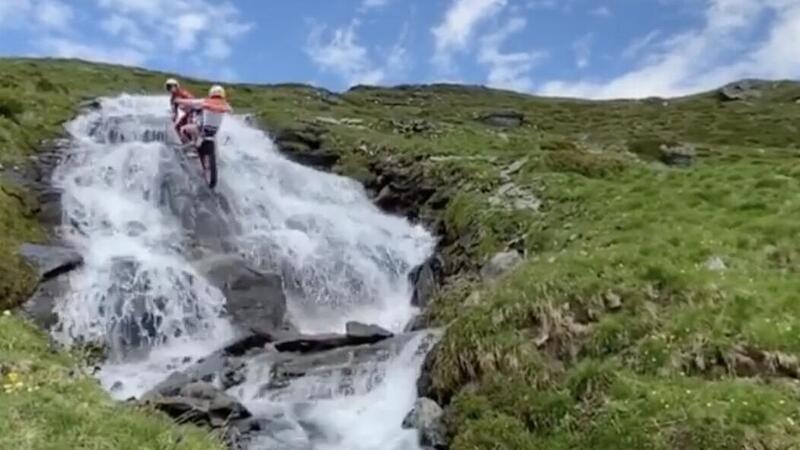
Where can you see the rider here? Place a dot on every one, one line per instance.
(176, 93)
(211, 111)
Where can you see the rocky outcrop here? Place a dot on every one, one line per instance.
(500, 264)
(202, 213)
(742, 90)
(426, 279)
(51, 261)
(357, 334)
(503, 119)
(427, 419)
(305, 146)
(255, 300)
(677, 155)
(200, 403)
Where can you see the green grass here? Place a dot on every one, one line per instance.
(616, 332)
(47, 403)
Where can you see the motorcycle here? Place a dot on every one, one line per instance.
(205, 147)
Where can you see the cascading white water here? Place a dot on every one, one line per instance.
(341, 259)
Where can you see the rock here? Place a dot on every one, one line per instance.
(51, 261)
(427, 418)
(40, 308)
(360, 330)
(503, 119)
(425, 279)
(613, 301)
(50, 207)
(514, 167)
(170, 387)
(203, 214)
(304, 146)
(512, 197)
(742, 90)
(255, 300)
(330, 373)
(425, 386)
(201, 404)
(500, 264)
(677, 155)
(716, 264)
(324, 342)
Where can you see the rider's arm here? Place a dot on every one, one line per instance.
(190, 103)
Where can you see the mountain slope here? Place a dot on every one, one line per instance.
(656, 302)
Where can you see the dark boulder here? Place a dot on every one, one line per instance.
(255, 300)
(40, 308)
(426, 279)
(201, 404)
(305, 146)
(362, 335)
(51, 261)
(427, 418)
(503, 119)
(360, 330)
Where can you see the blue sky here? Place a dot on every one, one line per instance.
(584, 48)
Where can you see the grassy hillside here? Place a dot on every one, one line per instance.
(657, 306)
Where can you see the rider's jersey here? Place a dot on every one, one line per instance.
(179, 93)
(214, 109)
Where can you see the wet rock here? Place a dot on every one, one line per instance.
(324, 342)
(503, 119)
(255, 300)
(170, 387)
(346, 365)
(50, 211)
(427, 419)
(40, 308)
(426, 279)
(360, 330)
(51, 261)
(201, 404)
(500, 264)
(425, 381)
(201, 212)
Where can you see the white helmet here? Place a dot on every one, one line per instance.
(216, 91)
(170, 83)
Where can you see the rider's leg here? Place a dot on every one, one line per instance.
(190, 132)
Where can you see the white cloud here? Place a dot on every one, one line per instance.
(340, 52)
(601, 11)
(640, 44)
(54, 14)
(721, 50)
(508, 70)
(373, 4)
(583, 50)
(217, 48)
(181, 26)
(65, 48)
(11, 11)
(459, 24)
